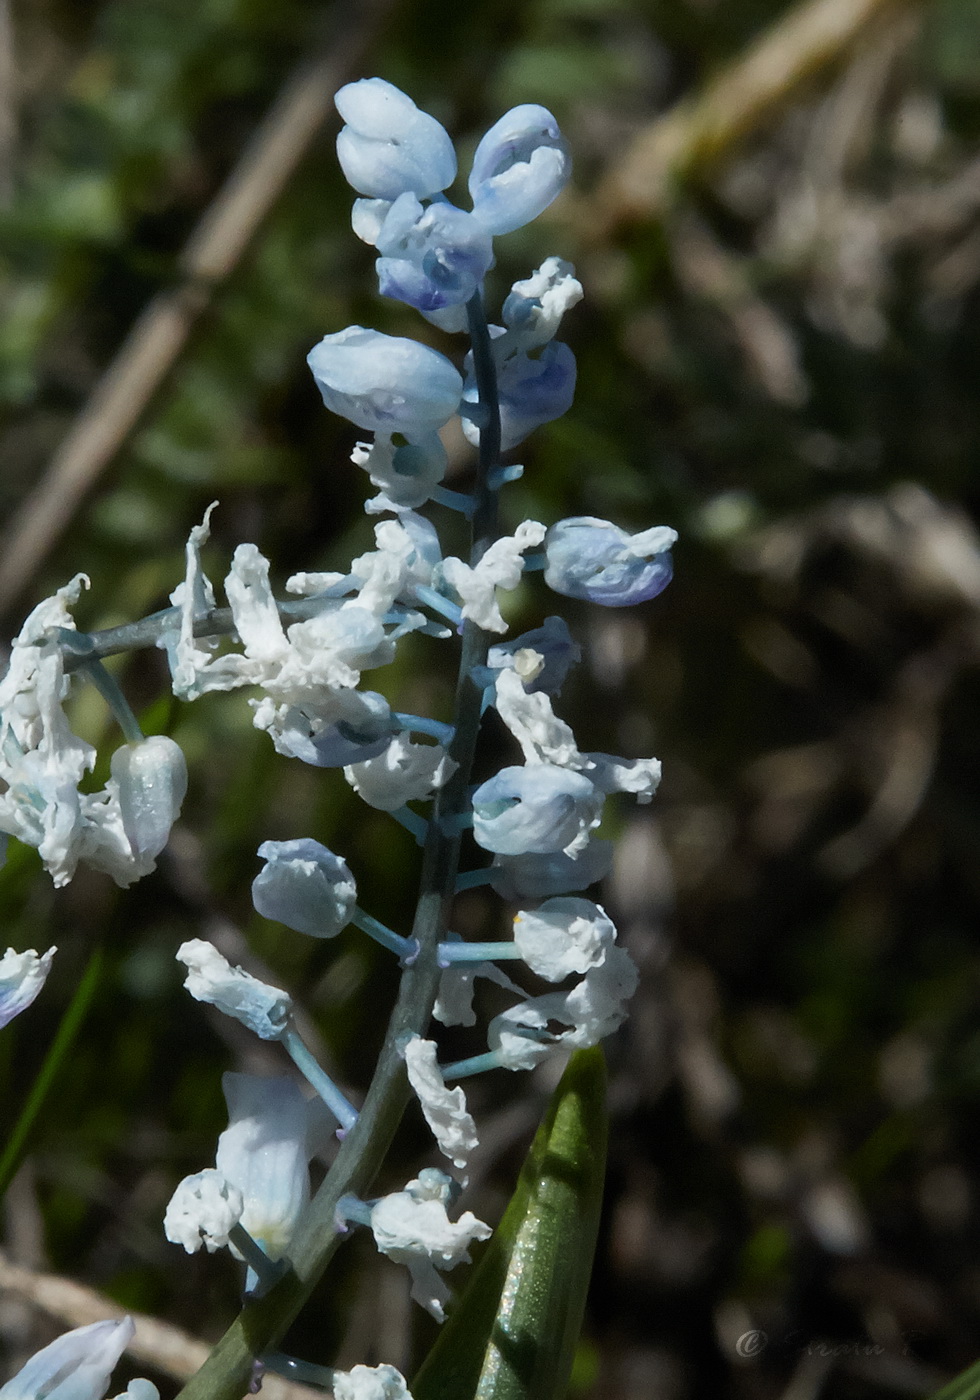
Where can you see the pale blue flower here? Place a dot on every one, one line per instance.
(431, 258)
(388, 146)
(360, 735)
(592, 559)
(532, 391)
(536, 809)
(519, 167)
(264, 1152)
(76, 1366)
(22, 975)
(385, 383)
(304, 886)
(520, 877)
(554, 646)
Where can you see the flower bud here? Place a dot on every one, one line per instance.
(152, 780)
(304, 886)
(385, 383)
(388, 146)
(592, 559)
(520, 166)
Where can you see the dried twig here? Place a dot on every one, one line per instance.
(156, 1343)
(160, 332)
(697, 132)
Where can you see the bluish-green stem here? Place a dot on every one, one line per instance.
(382, 934)
(292, 1369)
(264, 1270)
(476, 1064)
(307, 1064)
(227, 1373)
(79, 646)
(476, 952)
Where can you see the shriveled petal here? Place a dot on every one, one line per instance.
(412, 1227)
(22, 975)
(533, 311)
(211, 978)
(444, 1109)
(543, 737)
(500, 567)
(404, 772)
(202, 1210)
(563, 936)
(370, 1383)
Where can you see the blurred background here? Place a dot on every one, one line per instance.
(776, 218)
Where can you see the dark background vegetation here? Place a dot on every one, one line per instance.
(778, 355)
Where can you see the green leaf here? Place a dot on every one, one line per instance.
(965, 1386)
(512, 1335)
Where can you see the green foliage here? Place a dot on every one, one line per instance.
(513, 1333)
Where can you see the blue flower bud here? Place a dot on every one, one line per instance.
(388, 146)
(304, 886)
(536, 810)
(520, 166)
(592, 559)
(152, 781)
(431, 258)
(532, 392)
(385, 383)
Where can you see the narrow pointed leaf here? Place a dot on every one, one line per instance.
(965, 1386)
(513, 1333)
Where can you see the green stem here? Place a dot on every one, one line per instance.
(261, 1324)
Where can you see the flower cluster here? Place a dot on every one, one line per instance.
(534, 822)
